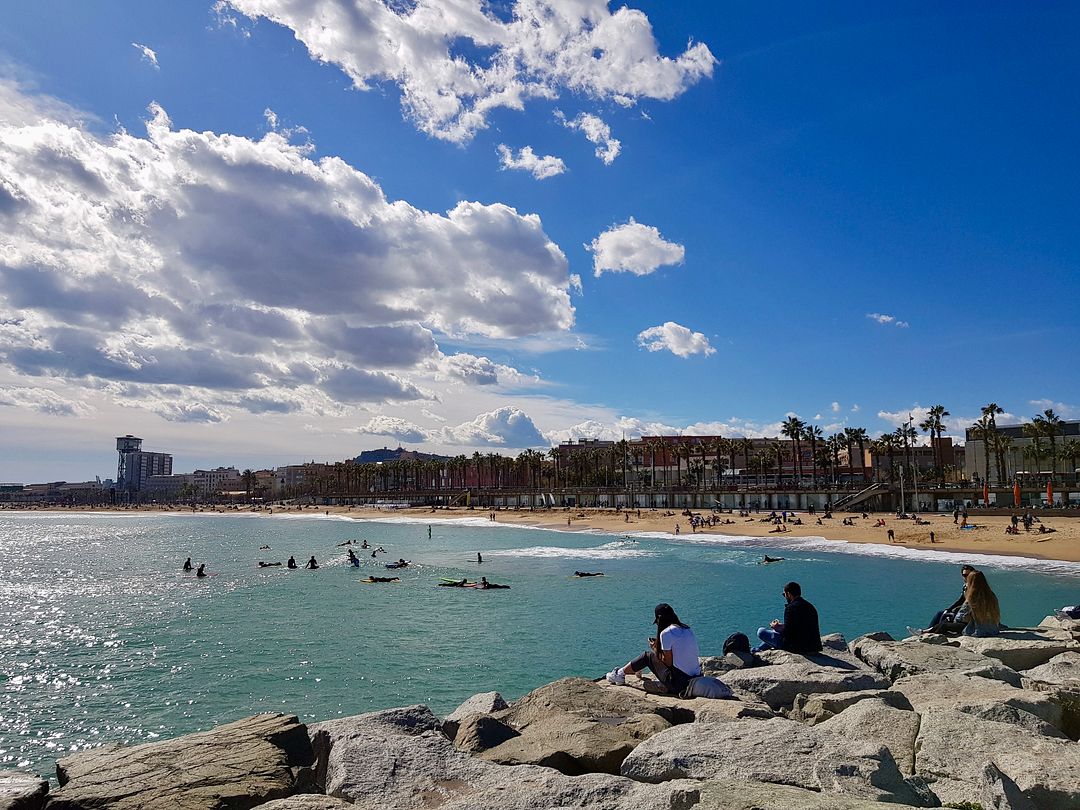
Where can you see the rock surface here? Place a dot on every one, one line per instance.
(727, 794)
(1058, 670)
(401, 760)
(779, 684)
(308, 801)
(898, 659)
(776, 751)
(953, 748)
(813, 709)
(479, 732)
(22, 791)
(484, 703)
(1020, 649)
(979, 696)
(236, 766)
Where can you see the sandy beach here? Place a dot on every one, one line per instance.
(987, 537)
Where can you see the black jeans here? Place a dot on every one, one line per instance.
(674, 679)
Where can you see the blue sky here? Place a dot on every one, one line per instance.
(812, 168)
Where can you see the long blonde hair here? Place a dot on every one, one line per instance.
(982, 601)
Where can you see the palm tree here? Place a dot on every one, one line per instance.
(1034, 431)
(1070, 451)
(1051, 426)
(934, 424)
(836, 443)
(860, 437)
(793, 428)
(814, 434)
(249, 482)
(985, 430)
(1002, 444)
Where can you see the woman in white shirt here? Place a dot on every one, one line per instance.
(672, 656)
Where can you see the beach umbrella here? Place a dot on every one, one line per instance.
(1049, 493)
(1016, 493)
(986, 494)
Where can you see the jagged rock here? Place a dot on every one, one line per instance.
(484, 703)
(309, 801)
(380, 762)
(1060, 625)
(727, 794)
(1058, 670)
(238, 765)
(479, 732)
(813, 709)
(898, 659)
(780, 683)
(587, 699)
(778, 751)
(1020, 649)
(982, 697)
(834, 641)
(874, 721)
(22, 791)
(953, 747)
(574, 745)
(1066, 695)
(704, 710)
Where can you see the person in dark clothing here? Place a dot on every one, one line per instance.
(947, 616)
(799, 632)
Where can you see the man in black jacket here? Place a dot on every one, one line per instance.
(799, 632)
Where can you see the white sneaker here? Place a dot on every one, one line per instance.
(915, 631)
(616, 677)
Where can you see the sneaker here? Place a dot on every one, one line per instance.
(915, 631)
(616, 677)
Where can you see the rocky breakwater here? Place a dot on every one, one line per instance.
(879, 723)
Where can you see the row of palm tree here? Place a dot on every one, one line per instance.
(1042, 433)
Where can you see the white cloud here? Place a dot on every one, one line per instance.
(526, 160)
(540, 49)
(43, 401)
(855, 408)
(676, 339)
(475, 370)
(596, 132)
(835, 407)
(884, 320)
(1064, 410)
(244, 271)
(400, 429)
(633, 248)
(148, 54)
(506, 427)
(271, 118)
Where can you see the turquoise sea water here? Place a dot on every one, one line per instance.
(107, 641)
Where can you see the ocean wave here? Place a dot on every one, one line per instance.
(822, 544)
(616, 550)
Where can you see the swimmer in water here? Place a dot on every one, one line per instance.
(353, 559)
(291, 563)
(268, 565)
(381, 579)
(588, 573)
(187, 564)
(202, 571)
(479, 559)
(364, 545)
(311, 563)
(768, 559)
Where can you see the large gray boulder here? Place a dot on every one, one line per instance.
(776, 751)
(484, 703)
(1020, 649)
(1060, 669)
(479, 732)
(982, 697)
(22, 791)
(953, 748)
(728, 794)
(586, 698)
(875, 721)
(401, 760)
(235, 766)
(309, 801)
(813, 709)
(779, 684)
(898, 659)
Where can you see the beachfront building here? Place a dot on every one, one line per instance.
(1023, 453)
(135, 465)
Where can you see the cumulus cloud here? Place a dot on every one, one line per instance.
(149, 55)
(506, 427)
(43, 401)
(526, 160)
(676, 339)
(885, 320)
(247, 269)
(835, 407)
(481, 370)
(633, 248)
(596, 131)
(629, 427)
(395, 428)
(456, 62)
(1064, 410)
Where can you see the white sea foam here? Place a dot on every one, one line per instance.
(619, 549)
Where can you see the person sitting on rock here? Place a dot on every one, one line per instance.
(672, 656)
(950, 619)
(799, 632)
(984, 613)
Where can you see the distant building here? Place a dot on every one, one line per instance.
(135, 465)
(1019, 460)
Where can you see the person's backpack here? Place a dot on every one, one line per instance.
(705, 686)
(736, 642)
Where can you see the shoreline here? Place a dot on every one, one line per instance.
(987, 539)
